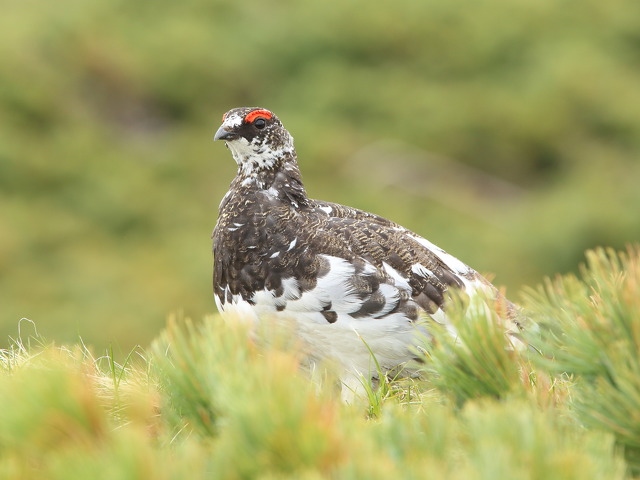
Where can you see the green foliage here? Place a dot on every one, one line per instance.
(190, 382)
(223, 399)
(515, 133)
(491, 440)
(218, 381)
(590, 328)
(479, 360)
(270, 422)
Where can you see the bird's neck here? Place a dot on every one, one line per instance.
(281, 179)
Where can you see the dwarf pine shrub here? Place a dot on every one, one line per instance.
(590, 329)
(212, 400)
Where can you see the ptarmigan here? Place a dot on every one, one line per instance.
(351, 280)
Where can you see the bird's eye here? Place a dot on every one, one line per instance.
(260, 123)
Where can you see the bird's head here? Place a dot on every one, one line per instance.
(256, 138)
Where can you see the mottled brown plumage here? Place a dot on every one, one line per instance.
(334, 269)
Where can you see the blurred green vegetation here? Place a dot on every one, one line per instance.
(511, 132)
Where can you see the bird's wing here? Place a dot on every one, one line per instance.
(424, 270)
(344, 264)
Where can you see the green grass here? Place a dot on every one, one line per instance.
(209, 400)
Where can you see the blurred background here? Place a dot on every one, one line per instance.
(506, 132)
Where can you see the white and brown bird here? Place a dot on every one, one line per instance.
(351, 280)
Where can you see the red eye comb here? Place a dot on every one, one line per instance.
(257, 113)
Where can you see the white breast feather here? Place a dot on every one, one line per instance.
(391, 297)
(401, 281)
(291, 288)
(333, 287)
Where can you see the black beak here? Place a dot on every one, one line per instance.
(224, 134)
